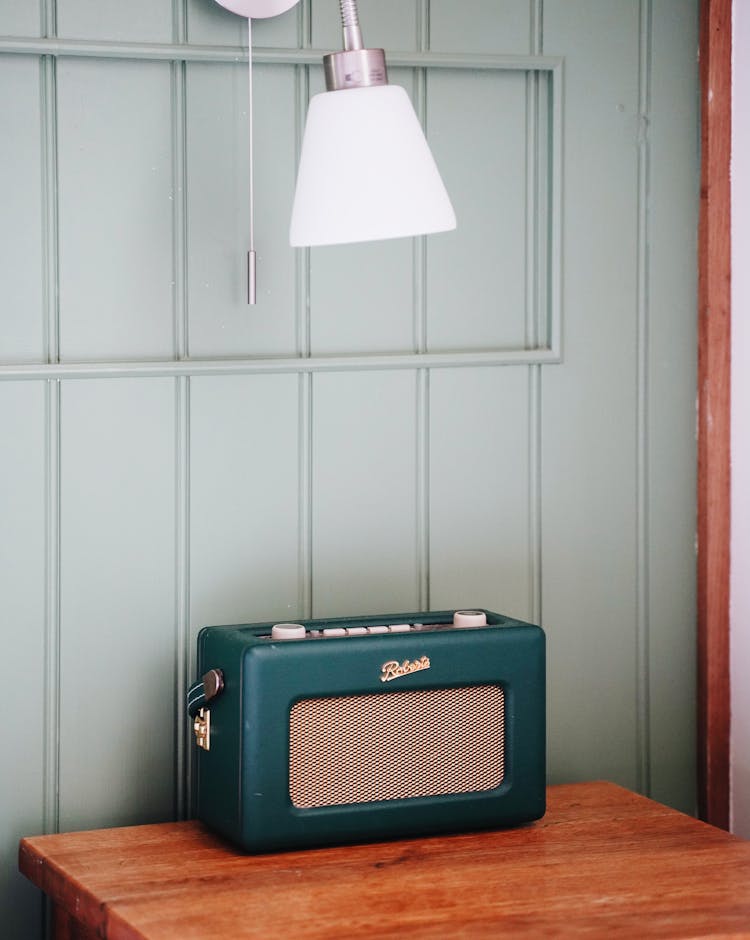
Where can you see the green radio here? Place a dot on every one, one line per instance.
(368, 728)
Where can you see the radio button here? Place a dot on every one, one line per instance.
(380, 628)
(288, 631)
(400, 627)
(334, 631)
(469, 618)
(356, 631)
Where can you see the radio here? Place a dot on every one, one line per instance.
(369, 728)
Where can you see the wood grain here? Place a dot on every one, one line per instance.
(67, 927)
(714, 344)
(603, 860)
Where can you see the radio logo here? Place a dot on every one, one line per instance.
(394, 669)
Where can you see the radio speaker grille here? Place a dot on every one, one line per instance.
(395, 745)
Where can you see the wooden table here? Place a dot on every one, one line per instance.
(602, 862)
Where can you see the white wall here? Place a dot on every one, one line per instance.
(740, 547)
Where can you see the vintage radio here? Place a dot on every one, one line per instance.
(368, 728)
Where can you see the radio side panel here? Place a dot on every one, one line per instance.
(218, 798)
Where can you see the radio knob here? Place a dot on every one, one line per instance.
(287, 631)
(469, 618)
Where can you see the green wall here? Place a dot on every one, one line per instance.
(501, 416)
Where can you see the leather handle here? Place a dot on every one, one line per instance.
(205, 689)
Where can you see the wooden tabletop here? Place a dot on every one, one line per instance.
(603, 861)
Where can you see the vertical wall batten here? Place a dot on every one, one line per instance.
(50, 194)
(419, 276)
(419, 244)
(305, 381)
(183, 647)
(535, 265)
(52, 610)
(642, 691)
(183, 652)
(553, 239)
(302, 260)
(179, 212)
(533, 205)
(423, 488)
(50, 234)
(51, 293)
(305, 445)
(51, 299)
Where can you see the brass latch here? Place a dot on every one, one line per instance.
(202, 728)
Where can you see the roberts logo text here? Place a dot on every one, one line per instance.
(394, 670)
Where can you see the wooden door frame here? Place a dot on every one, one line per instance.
(714, 403)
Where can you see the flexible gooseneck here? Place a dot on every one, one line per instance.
(350, 24)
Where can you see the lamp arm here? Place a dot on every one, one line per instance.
(350, 24)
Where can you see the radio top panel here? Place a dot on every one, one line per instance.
(462, 619)
(243, 639)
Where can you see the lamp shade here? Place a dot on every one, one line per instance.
(366, 171)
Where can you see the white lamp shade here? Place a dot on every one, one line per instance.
(366, 171)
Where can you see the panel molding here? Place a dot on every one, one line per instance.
(151, 368)
(185, 52)
(544, 189)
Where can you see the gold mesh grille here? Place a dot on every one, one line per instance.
(395, 745)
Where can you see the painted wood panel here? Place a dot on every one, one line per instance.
(590, 478)
(476, 275)
(364, 493)
(117, 614)
(136, 20)
(362, 298)
(220, 322)
(211, 23)
(244, 499)
(20, 19)
(116, 205)
(23, 616)
(21, 246)
(481, 26)
(479, 444)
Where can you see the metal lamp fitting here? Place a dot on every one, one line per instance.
(355, 66)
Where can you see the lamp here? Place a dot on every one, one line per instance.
(366, 171)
